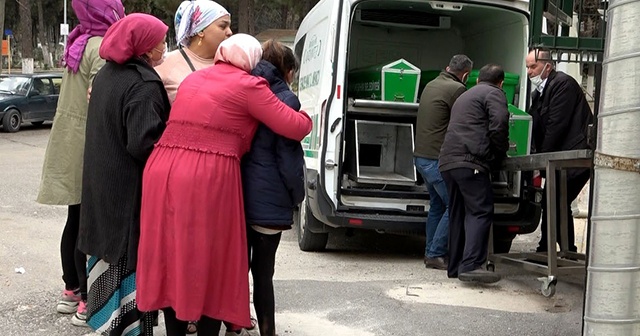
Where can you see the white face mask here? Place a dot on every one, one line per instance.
(536, 81)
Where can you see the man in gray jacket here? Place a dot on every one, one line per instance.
(433, 118)
(476, 140)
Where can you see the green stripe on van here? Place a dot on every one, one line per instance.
(311, 153)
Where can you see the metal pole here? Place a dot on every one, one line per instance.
(612, 298)
(64, 20)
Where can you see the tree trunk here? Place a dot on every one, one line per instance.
(2, 11)
(26, 39)
(284, 16)
(245, 20)
(42, 36)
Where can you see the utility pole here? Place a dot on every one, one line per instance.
(612, 298)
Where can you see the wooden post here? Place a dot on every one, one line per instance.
(9, 51)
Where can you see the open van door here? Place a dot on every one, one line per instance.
(319, 85)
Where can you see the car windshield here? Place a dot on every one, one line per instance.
(14, 85)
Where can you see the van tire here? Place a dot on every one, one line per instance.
(308, 241)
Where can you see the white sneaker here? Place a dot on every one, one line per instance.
(68, 303)
(79, 319)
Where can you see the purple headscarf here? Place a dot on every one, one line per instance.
(95, 16)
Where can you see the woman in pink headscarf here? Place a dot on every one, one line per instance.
(193, 260)
(127, 114)
(61, 182)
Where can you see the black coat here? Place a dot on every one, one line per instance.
(561, 115)
(127, 114)
(273, 170)
(478, 132)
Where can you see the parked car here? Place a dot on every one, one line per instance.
(28, 98)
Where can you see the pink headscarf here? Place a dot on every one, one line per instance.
(132, 36)
(95, 16)
(240, 50)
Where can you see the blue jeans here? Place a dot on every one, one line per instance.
(437, 226)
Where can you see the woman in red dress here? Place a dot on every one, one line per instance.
(193, 250)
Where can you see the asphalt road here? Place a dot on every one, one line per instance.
(369, 284)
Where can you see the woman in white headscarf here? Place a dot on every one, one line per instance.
(193, 249)
(200, 27)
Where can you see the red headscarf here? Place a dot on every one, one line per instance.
(132, 36)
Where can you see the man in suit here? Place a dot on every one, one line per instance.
(477, 139)
(561, 116)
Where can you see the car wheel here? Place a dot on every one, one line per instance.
(11, 121)
(308, 241)
(37, 123)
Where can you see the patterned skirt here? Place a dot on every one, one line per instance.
(111, 302)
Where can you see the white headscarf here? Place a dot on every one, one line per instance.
(194, 16)
(240, 50)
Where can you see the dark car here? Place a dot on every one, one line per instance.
(28, 98)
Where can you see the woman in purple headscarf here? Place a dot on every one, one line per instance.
(61, 182)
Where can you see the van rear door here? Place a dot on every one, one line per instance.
(319, 88)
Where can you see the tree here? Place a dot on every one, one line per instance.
(245, 22)
(26, 35)
(42, 36)
(2, 8)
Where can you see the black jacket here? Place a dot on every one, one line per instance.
(273, 170)
(561, 115)
(127, 114)
(478, 133)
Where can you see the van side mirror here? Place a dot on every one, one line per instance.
(33, 93)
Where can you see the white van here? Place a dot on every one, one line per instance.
(353, 184)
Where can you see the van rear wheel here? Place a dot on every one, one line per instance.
(308, 241)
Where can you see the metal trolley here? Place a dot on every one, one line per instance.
(551, 263)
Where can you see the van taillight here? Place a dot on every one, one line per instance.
(355, 221)
(513, 229)
(537, 179)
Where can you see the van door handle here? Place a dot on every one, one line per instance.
(330, 164)
(335, 124)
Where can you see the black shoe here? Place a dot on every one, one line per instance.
(440, 263)
(479, 275)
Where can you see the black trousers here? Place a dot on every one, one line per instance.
(262, 255)
(576, 180)
(470, 219)
(74, 262)
(174, 327)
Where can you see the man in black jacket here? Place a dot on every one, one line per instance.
(561, 116)
(476, 140)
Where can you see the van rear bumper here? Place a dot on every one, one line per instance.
(525, 220)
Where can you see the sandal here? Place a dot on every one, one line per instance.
(192, 328)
